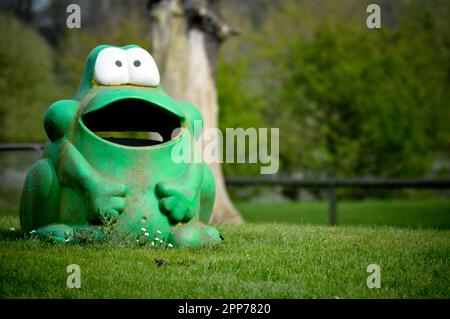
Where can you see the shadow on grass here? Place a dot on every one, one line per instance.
(10, 235)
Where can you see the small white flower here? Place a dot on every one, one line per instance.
(156, 238)
(33, 231)
(146, 234)
(153, 243)
(170, 246)
(158, 232)
(12, 229)
(143, 229)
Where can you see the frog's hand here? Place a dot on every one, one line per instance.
(179, 196)
(189, 193)
(107, 201)
(179, 202)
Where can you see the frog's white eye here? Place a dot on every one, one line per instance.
(143, 69)
(111, 67)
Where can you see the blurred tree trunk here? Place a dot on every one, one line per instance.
(185, 38)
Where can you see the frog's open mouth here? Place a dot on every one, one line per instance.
(133, 122)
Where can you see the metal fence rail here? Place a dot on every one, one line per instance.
(344, 182)
(332, 184)
(37, 147)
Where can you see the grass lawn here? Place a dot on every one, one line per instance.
(257, 260)
(428, 213)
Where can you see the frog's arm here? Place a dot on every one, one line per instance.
(73, 170)
(58, 123)
(104, 197)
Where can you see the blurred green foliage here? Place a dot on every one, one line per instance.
(27, 81)
(349, 101)
(33, 74)
(75, 46)
(238, 108)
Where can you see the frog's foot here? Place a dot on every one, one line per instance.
(57, 232)
(107, 201)
(191, 235)
(179, 205)
(67, 233)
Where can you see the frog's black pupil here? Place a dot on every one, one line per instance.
(137, 63)
(118, 63)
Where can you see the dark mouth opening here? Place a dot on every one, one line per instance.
(133, 122)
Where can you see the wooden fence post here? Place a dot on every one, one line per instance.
(332, 205)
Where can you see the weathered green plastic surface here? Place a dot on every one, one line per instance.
(84, 180)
